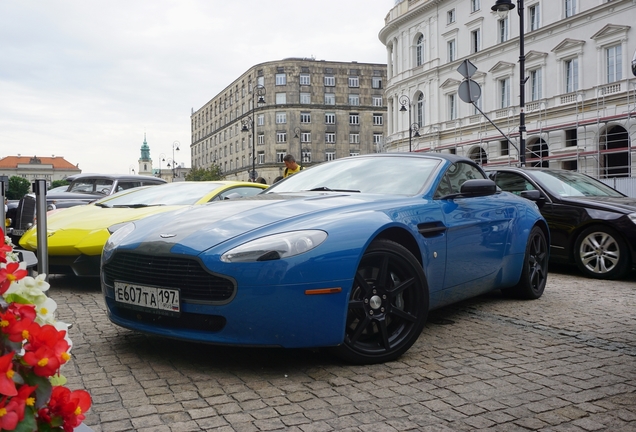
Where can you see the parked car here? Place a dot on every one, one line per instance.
(76, 236)
(83, 188)
(591, 224)
(350, 254)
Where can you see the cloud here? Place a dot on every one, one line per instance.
(85, 79)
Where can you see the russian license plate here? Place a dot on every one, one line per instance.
(160, 300)
(18, 232)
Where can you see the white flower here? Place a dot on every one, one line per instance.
(46, 312)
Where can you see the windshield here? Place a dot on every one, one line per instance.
(91, 186)
(573, 184)
(375, 175)
(181, 193)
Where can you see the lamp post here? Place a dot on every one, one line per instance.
(259, 91)
(300, 143)
(131, 168)
(502, 7)
(175, 146)
(413, 127)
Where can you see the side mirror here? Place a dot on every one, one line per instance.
(478, 187)
(533, 195)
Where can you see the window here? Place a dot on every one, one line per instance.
(305, 137)
(377, 138)
(475, 5)
(419, 110)
(305, 79)
(504, 92)
(354, 81)
(281, 79)
(305, 117)
(452, 106)
(260, 81)
(305, 98)
(330, 138)
(571, 75)
(330, 98)
(534, 17)
(260, 121)
(354, 138)
(377, 101)
(261, 139)
(450, 16)
(330, 118)
(378, 120)
(451, 50)
(354, 119)
(613, 56)
(354, 153)
(354, 99)
(281, 117)
(570, 8)
(281, 98)
(376, 82)
(281, 137)
(503, 29)
(330, 155)
(330, 81)
(419, 60)
(279, 156)
(261, 157)
(306, 157)
(475, 40)
(535, 84)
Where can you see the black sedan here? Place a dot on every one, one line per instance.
(591, 224)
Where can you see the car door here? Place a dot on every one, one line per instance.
(477, 233)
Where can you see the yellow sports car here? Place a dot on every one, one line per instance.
(76, 235)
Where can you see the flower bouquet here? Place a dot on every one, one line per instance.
(33, 348)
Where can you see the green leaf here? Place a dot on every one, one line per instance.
(57, 380)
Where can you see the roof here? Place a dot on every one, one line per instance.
(58, 162)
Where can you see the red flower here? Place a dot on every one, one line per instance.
(10, 273)
(46, 349)
(16, 320)
(9, 418)
(4, 249)
(69, 405)
(7, 386)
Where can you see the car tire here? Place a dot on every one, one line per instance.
(534, 273)
(387, 307)
(601, 253)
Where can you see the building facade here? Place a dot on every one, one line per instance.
(315, 110)
(580, 93)
(35, 167)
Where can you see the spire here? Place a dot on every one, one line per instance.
(145, 150)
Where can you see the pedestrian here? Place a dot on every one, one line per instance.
(291, 167)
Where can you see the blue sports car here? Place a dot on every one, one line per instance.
(350, 254)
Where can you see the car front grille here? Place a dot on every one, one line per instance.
(25, 213)
(188, 275)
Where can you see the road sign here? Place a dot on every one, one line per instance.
(467, 69)
(469, 91)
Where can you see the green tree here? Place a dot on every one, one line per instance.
(205, 174)
(56, 183)
(18, 187)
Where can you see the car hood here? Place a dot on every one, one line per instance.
(198, 228)
(62, 196)
(620, 204)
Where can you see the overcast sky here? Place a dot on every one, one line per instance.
(85, 79)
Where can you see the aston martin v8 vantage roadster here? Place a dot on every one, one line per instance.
(350, 254)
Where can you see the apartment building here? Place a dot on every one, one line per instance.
(315, 110)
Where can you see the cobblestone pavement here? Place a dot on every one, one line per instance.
(565, 362)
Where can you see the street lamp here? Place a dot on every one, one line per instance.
(502, 7)
(300, 144)
(175, 146)
(131, 168)
(414, 127)
(259, 91)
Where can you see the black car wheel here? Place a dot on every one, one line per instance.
(534, 274)
(387, 307)
(601, 253)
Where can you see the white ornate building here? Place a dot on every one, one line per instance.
(580, 93)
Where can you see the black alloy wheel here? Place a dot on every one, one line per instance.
(534, 274)
(387, 307)
(601, 253)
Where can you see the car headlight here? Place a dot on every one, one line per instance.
(632, 217)
(274, 247)
(116, 238)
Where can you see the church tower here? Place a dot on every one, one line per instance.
(145, 163)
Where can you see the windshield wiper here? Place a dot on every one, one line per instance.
(326, 189)
(137, 205)
(102, 205)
